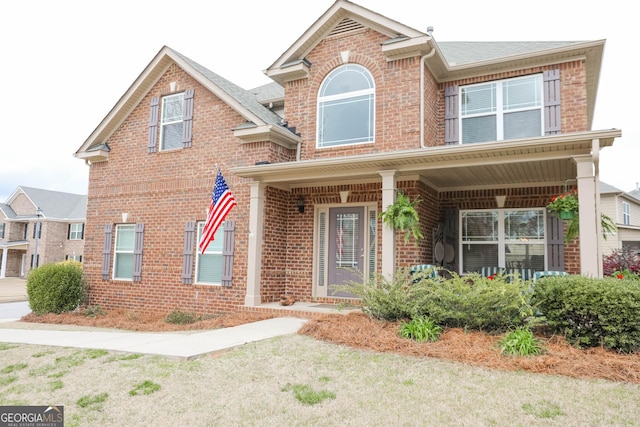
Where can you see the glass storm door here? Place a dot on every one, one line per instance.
(346, 247)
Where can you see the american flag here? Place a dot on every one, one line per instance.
(222, 201)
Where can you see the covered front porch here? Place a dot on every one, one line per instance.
(295, 206)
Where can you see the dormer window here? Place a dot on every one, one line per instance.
(505, 109)
(346, 107)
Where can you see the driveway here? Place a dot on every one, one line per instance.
(13, 299)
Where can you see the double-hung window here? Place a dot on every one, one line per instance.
(2, 230)
(123, 257)
(209, 266)
(172, 122)
(76, 231)
(346, 107)
(505, 238)
(505, 109)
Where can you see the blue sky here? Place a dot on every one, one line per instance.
(66, 63)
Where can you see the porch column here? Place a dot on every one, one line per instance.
(590, 263)
(388, 267)
(3, 266)
(254, 263)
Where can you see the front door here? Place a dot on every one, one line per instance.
(346, 247)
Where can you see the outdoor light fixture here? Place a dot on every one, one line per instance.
(300, 203)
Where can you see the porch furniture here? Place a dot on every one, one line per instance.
(541, 274)
(524, 273)
(427, 270)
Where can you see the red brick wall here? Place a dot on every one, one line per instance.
(164, 190)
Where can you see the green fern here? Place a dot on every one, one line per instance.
(403, 216)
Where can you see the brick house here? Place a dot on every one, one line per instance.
(360, 108)
(38, 227)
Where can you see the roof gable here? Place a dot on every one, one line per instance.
(344, 16)
(53, 204)
(240, 100)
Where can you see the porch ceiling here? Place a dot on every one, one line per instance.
(527, 162)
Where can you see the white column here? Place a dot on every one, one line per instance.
(3, 269)
(254, 262)
(590, 263)
(388, 267)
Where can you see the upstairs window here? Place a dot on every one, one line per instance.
(171, 122)
(76, 231)
(505, 109)
(626, 213)
(2, 230)
(346, 107)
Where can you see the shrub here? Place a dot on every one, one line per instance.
(385, 299)
(592, 312)
(621, 260)
(420, 328)
(56, 287)
(520, 341)
(178, 317)
(475, 302)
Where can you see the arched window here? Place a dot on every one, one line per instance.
(346, 107)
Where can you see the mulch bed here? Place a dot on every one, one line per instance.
(476, 348)
(360, 331)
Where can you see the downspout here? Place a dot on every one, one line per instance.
(422, 65)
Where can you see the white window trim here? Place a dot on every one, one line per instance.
(501, 242)
(348, 95)
(116, 252)
(500, 111)
(209, 251)
(163, 123)
(75, 232)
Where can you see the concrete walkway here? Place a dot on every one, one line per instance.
(173, 344)
(183, 345)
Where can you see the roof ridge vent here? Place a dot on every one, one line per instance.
(346, 26)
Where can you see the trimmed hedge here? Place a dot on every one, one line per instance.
(56, 287)
(592, 312)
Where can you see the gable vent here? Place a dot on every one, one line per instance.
(345, 26)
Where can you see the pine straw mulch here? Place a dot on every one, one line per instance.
(143, 322)
(360, 331)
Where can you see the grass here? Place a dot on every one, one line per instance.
(307, 395)
(94, 401)
(145, 387)
(296, 380)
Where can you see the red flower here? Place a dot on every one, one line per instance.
(491, 277)
(620, 276)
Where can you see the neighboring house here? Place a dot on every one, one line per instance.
(360, 107)
(40, 226)
(624, 209)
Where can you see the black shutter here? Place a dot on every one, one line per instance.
(187, 118)
(187, 253)
(451, 116)
(227, 252)
(68, 231)
(555, 243)
(551, 86)
(82, 232)
(137, 253)
(106, 251)
(153, 125)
